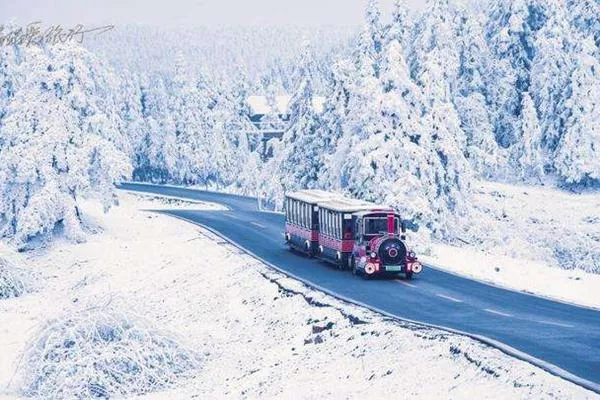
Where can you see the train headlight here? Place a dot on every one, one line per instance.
(417, 268)
(412, 254)
(370, 269)
(373, 254)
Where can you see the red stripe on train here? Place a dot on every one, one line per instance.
(344, 246)
(302, 232)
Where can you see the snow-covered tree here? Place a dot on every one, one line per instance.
(585, 16)
(400, 26)
(333, 120)
(156, 151)
(59, 145)
(509, 35)
(434, 41)
(471, 99)
(529, 153)
(550, 72)
(373, 35)
(389, 165)
(7, 79)
(577, 158)
(482, 151)
(297, 158)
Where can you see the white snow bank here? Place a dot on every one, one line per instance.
(572, 286)
(531, 239)
(259, 333)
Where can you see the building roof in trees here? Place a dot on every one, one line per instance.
(259, 105)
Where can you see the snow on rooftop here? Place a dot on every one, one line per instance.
(260, 105)
(313, 196)
(349, 205)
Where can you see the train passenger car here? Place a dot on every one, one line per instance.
(336, 233)
(302, 219)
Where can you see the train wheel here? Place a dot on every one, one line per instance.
(307, 249)
(353, 266)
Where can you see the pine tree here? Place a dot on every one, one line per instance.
(529, 152)
(577, 159)
(400, 26)
(585, 16)
(156, 151)
(471, 99)
(297, 158)
(332, 127)
(390, 164)
(373, 35)
(550, 72)
(510, 38)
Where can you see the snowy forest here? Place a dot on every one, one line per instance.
(417, 107)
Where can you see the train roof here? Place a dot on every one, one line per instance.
(386, 210)
(313, 196)
(351, 205)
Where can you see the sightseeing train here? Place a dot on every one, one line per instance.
(363, 237)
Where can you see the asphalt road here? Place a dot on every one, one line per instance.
(556, 333)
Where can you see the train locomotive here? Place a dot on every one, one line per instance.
(364, 237)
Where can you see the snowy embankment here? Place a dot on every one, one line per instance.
(153, 305)
(537, 240)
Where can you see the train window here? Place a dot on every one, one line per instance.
(338, 225)
(333, 228)
(296, 219)
(332, 224)
(304, 215)
(307, 215)
(319, 219)
(378, 225)
(308, 208)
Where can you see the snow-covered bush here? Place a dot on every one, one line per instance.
(11, 281)
(101, 353)
(14, 281)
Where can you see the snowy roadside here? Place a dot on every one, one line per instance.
(571, 286)
(256, 332)
(537, 240)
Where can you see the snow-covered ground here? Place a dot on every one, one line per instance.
(533, 239)
(222, 325)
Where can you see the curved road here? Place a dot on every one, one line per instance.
(560, 334)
